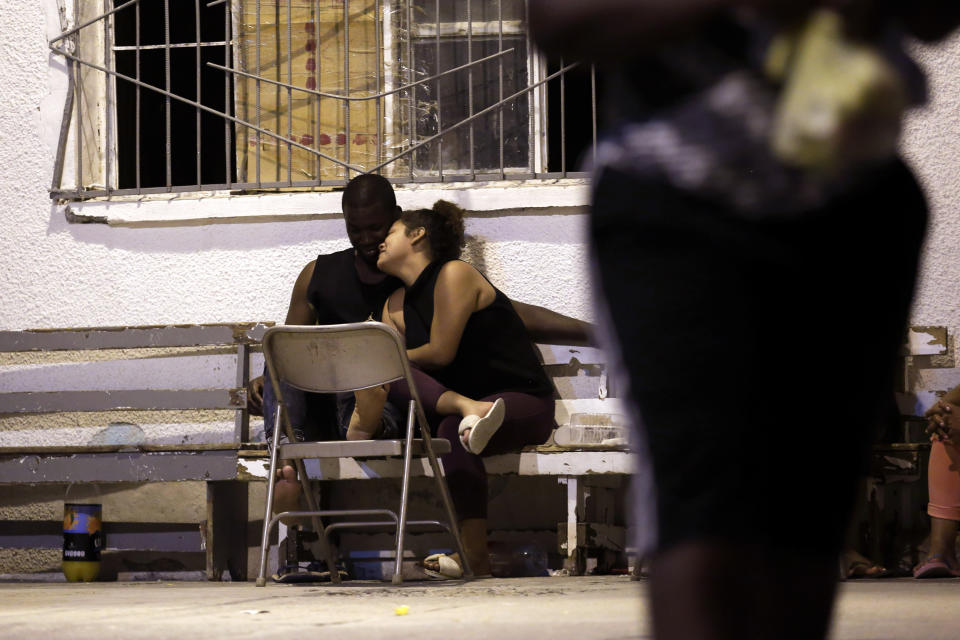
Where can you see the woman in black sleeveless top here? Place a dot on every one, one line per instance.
(473, 358)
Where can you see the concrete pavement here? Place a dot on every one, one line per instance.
(606, 607)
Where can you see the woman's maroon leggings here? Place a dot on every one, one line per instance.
(528, 420)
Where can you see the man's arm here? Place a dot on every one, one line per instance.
(549, 327)
(299, 312)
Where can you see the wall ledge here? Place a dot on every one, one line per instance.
(224, 206)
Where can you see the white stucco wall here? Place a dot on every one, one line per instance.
(57, 274)
(931, 143)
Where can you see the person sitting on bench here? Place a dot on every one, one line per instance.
(346, 286)
(466, 334)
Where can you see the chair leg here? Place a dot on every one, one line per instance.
(268, 510)
(404, 496)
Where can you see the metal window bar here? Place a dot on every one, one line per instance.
(500, 84)
(471, 146)
(166, 74)
(563, 123)
(137, 100)
(378, 40)
(411, 92)
(289, 91)
(346, 85)
(344, 98)
(77, 85)
(108, 128)
(196, 7)
(227, 94)
(259, 73)
(439, 99)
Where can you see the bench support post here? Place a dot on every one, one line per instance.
(226, 529)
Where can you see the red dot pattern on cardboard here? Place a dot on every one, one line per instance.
(323, 139)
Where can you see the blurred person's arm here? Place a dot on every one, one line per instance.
(605, 29)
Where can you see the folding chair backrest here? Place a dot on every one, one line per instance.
(334, 358)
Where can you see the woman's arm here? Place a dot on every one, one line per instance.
(392, 315)
(460, 291)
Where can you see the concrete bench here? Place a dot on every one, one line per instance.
(206, 367)
(47, 375)
(110, 373)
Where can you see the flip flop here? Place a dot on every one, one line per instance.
(313, 572)
(448, 567)
(934, 567)
(482, 428)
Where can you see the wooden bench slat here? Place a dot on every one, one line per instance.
(119, 467)
(145, 400)
(120, 448)
(359, 448)
(131, 337)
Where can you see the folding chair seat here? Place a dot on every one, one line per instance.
(346, 358)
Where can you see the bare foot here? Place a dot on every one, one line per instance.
(859, 566)
(286, 492)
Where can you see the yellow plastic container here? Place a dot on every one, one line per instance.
(82, 541)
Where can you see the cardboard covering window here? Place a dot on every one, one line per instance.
(388, 45)
(303, 43)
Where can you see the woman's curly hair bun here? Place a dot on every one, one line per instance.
(444, 228)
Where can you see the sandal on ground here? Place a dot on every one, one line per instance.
(313, 572)
(448, 568)
(935, 567)
(482, 428)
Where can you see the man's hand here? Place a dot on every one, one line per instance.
(255, 396)
(942, 421)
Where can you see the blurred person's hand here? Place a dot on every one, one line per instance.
(255, 396)
(942, 421)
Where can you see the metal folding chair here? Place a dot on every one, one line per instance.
(342, 358)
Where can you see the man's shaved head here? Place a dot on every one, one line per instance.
(369, 189)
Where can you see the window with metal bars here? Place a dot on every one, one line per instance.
(188, 95)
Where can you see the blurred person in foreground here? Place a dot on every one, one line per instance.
(749, 208)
